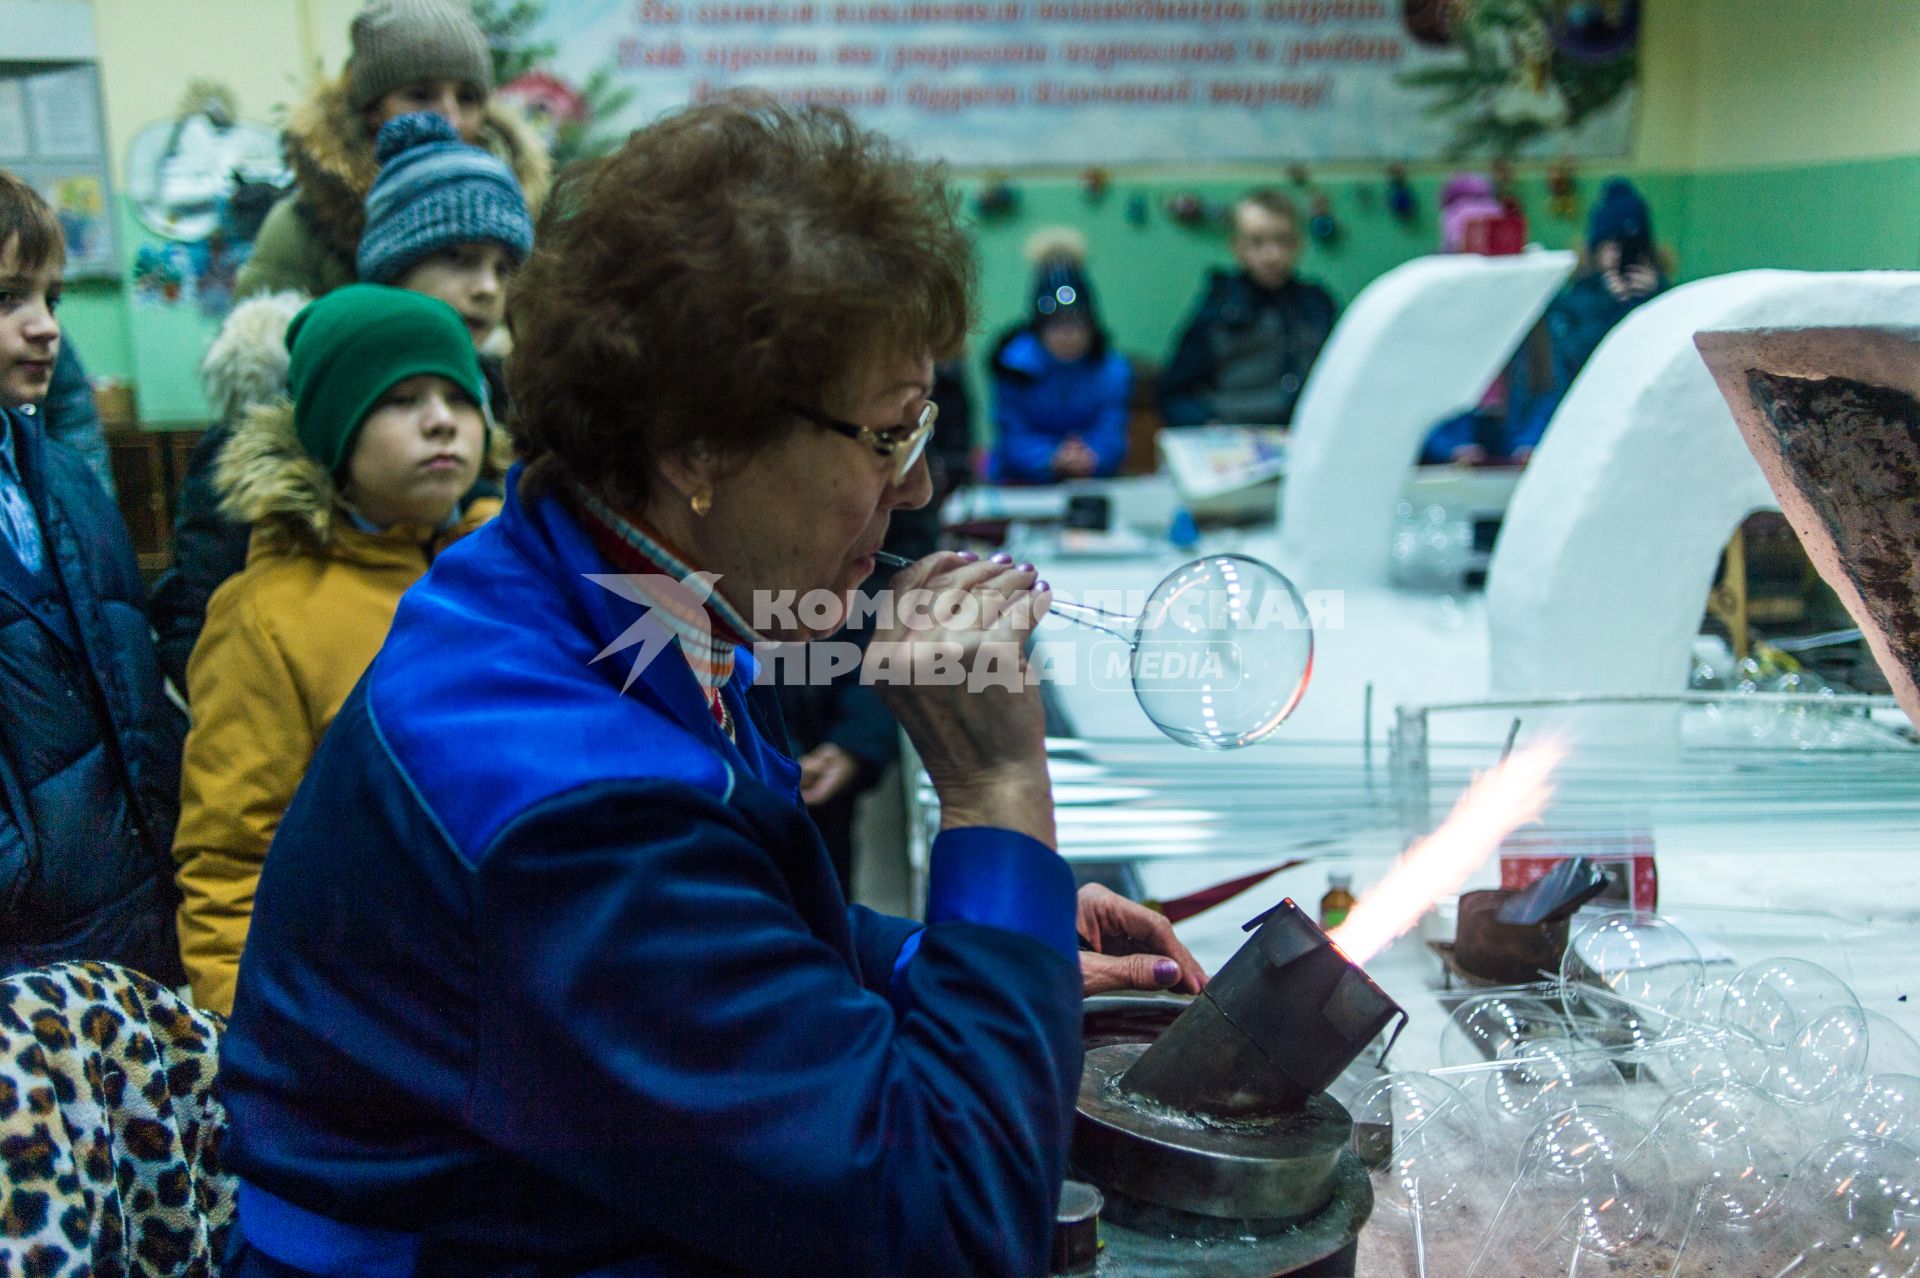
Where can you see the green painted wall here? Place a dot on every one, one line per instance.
(1857, 215)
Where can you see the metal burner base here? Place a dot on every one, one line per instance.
(1321, 1244)
(1250, 1198)
(1274, 1169)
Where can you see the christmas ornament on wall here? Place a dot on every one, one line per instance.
(1501, 171)
(1297, 174)
(1596, 30)
(1400, 202)
(1186, 208)
(996, 198)
(1563, 196)
(1094, 183)
(1430, 22)
(1321, 224)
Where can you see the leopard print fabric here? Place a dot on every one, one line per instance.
(109, 1133)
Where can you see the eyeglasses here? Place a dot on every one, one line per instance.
(904, 443)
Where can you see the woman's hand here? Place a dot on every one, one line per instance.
(825, 771)
(952, 668)
(1131, 947)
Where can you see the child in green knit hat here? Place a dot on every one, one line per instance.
(352, 488)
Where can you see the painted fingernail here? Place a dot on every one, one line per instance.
(1041, 587)
(1026, 567)
(967, 556)
(1003, 558)
(1166, 972)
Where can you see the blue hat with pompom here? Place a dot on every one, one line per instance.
(1621, 216)
(435, 191)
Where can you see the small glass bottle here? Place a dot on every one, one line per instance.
(1338, 901)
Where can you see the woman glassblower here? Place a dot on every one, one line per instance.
(545, 976)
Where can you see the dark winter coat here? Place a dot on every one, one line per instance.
(89, 745)
(1245, 355)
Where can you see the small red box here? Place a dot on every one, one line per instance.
(1625, 855)
(1495, 236)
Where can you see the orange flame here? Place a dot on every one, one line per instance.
(1513, 794)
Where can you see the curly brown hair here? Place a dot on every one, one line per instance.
(730, 256)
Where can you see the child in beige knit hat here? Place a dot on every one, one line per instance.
(419, 55)
(407, 56)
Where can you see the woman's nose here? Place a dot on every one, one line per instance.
(915, 488)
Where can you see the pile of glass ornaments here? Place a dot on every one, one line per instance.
(1639, 1115)
(1810, 721)
(1431, 550)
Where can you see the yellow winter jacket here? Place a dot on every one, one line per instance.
(285, 641)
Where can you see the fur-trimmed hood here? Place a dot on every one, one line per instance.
(266, 479)
(334, 165)
(247, 364)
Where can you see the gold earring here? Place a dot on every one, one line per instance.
(702, 503)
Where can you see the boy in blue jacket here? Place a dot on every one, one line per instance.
(89, 747)
(1060, 393)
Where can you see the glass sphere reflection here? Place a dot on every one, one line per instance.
(1602, 1176)
(1621, 972)
(1859, 1196)
(1825, 1055)
(1434, 1141)
(1222, 652)
(1546, 1076)
(1880, 1107)
(1487, 1027)
(1773, 999)
(1733, 1148)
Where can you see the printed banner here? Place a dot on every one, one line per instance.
(1003, 83)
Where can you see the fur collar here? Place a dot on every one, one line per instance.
(266, 479)
(247, 363)
(334, 166)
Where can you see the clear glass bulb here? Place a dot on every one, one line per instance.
(1433, 1137)
(1773, 999)
(1732, 1148)
(1546, 1076)
(1222, 652)
(1859, 1196)
(1487, 1027)
(1600, 1177)
(1621, 971)
(1880, 1107)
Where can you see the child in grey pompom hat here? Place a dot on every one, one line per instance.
(400, 42)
